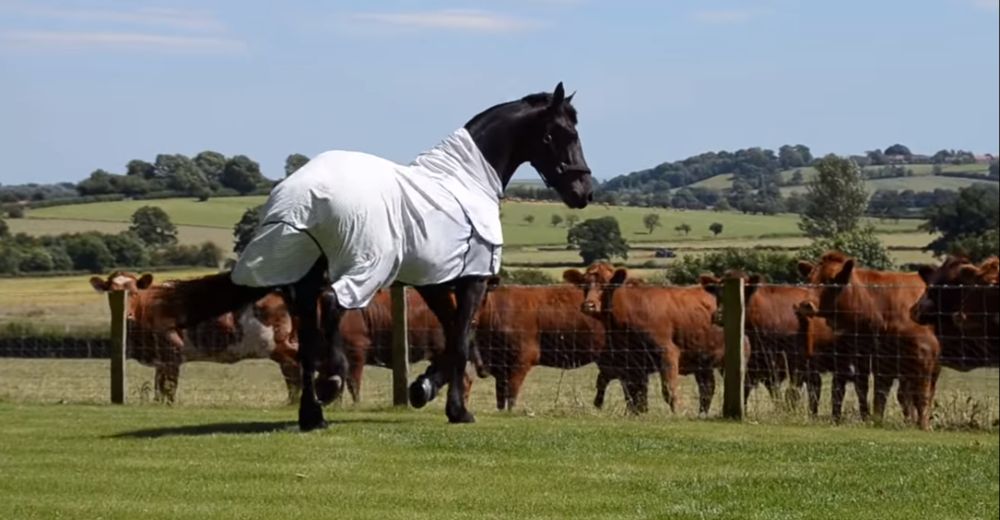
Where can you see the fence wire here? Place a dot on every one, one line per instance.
(643, 349)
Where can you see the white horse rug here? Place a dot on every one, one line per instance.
(376, 221)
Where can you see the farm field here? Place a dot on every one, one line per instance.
(225, 212)
(916, 183)
(151, 461)
(725, 180)
(186, 235)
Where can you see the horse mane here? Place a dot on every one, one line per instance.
(532, 101)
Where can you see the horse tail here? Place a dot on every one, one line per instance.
(192, 301)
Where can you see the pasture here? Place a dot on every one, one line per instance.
(223, 213)
(243, 457)
(725, 181)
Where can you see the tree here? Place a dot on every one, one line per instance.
(651, 221)
(242, 174)
(153, 226)
(127, 249)
(89, 253)
(529, 219)
(790, 157)
(598, 239)
(835, 199)
(139, 168)
(244, 230)
(556, 220)
(683, 227)
(723, 205)
(15, 211)
(860, 243)
(964, 220)
(571, 220)
(898, 149)
(98, 183)
(211, 164)
(4, 229)
(293, 162)
(715, 228)
(876, 157)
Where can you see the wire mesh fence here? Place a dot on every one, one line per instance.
(614, 349)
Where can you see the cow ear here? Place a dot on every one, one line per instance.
(145, 281)
(710, 283)
(619, 277)
(844, 276)
(757, 279)
(805, 309)
(574, 277)
(805, 269)
(98, 284)
(925, 272)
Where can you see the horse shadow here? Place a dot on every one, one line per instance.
(234, 428)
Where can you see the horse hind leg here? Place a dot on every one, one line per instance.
(305, 296)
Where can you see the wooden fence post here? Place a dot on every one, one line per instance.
(732, 322)
(119, 303)
(400, 347)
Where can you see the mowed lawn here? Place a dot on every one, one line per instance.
(91, 461)
(225, 212)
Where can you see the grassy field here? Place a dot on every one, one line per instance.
(916, 183)
(725, 181)
(547, 460)
(187, 235)
(223, 213)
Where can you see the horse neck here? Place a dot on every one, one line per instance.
(498, 133)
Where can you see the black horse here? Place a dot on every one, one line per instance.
(539, 129)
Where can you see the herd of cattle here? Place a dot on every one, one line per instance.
(860, 325)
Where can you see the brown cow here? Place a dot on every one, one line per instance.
(870, 312)
(961, 303)
(654, 329)
(519, 327)
(261, 330)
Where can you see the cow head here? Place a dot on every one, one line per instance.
(713, 285)
(124, 281)
(954, 292)
(598, 284)
(831, 276)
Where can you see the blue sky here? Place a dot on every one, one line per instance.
(86, 85)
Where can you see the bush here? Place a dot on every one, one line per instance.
(526, 277)
(127, 250)
(861, 244)
(16, 211)
(89, 253)
(207, 254)
(36, 259)
(778, 267)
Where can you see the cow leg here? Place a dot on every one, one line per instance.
(883, 384)
(814, 385)
(501, 378)
(635, 388)
(862, 371)
(837, 395)
(516, 380)
(602, 387)
(159, 376)
(171, 374)
(706, 389)
(670, 374)
(305, 295)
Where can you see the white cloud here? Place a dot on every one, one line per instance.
(988, 5)
(723, 16)
(189, 20)
(81, 40)
(451, 19)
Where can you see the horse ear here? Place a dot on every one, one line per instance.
(844, 276)
(558, 97)
(619, 277)
(569, 98)
(144, 281)
(98, 284)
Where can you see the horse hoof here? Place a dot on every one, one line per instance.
(463, 417)
(329, 390)
(311, 418)
(422, 391)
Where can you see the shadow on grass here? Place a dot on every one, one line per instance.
(234, 428)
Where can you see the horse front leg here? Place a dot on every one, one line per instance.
(457, 323)
(305, 296)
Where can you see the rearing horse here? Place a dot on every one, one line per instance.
(357, 223)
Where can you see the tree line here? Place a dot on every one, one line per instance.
(150, 241)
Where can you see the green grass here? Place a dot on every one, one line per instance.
(151, 462)
(223, 213)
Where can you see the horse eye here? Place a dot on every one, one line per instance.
(547, 139)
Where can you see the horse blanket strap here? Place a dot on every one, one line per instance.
(377, 222)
